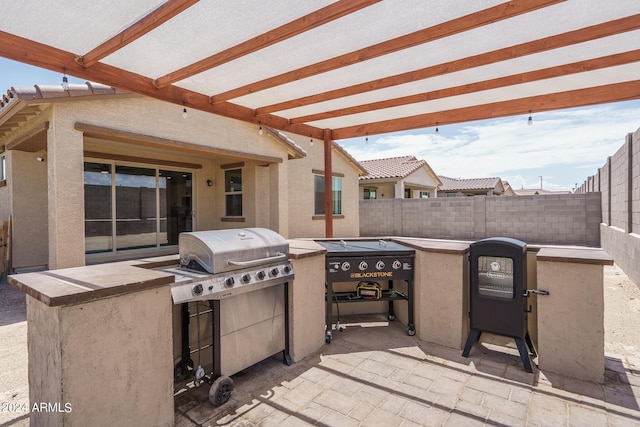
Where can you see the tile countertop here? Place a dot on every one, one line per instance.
(81, 284)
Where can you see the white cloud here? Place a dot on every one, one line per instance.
(574, 143)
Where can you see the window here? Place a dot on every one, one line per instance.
(336, 187)
(407, 193)
(131, 207)
(424, 195)
(451, 194)
(233, 192)
(3, 168)
(370, 193)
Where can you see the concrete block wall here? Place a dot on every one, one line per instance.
(635, 183)
(571, 219)
(619, 187)
(619, 180)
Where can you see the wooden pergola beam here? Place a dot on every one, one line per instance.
(138, 29)
(445, 29)
(615, 92)
(605, 29)
(43, 56)
(291, 29)
(530, 76)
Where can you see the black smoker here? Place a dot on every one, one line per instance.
(498, 292)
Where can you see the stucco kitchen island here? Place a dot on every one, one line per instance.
(100, 337)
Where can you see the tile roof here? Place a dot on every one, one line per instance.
(457, 184)
(35, 92)
(394, 167)
(537, 191)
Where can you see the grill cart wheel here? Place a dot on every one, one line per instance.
(221, 390)
(411, 331)
(391, 317)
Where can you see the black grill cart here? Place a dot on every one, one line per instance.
(367, 263)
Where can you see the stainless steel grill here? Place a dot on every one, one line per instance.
(243, 274)
(218, 264)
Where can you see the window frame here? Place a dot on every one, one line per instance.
(159, 247)
(3, 167)
(227, 214)
(337, 207)
(367, 193)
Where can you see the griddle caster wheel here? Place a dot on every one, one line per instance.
(221, 390)
(391, 317)
(411, 330)
(327, 338)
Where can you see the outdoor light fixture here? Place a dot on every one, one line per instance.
(260, 131)
(184, 113)
(209, 183)
(65, 80)
(366, 140)
(437, 130)
(311, 142)
(530, 119)
(40, 159)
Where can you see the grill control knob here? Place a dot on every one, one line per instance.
(363, 265)
(197, 289)
(287, 269)
(246, 278)
(274, 272)
(380, 265)
(260, 275)
(345, 266)
(229, 282)
(396, 264)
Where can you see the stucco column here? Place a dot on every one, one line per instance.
(279, 205)
(571, 317)
(65, 171)
(399, 189)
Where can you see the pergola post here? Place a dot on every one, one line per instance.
(328, 190)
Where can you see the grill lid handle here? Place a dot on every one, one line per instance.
(278, 257)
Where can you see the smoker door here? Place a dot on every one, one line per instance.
(497, 304)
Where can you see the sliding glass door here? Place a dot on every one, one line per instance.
(135, 207)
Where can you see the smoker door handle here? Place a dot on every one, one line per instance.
(278, 257)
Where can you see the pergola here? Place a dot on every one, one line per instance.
(332, 70)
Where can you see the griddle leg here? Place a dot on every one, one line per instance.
(474, 335)
(286, 357)
(392, 315)
(328, 311)
(524, 354)
(411, 328)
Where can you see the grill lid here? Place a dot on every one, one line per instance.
(217, 251)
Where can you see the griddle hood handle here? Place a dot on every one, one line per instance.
(278, 257)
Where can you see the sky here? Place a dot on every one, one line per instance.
(563, 147)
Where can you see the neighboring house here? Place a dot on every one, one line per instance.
(508, 190)
(398, 178)
(537, 191)
(95, 174)
(456, 187)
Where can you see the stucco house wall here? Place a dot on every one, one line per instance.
(418, 180)
(47, 198)
(302, 221)
(392, 177)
